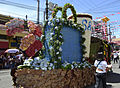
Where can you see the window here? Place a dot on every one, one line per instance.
(3, 37)
(13, 44)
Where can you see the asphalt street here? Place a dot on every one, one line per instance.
(113, 78)
(5, 79)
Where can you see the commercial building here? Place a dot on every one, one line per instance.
(8, 41)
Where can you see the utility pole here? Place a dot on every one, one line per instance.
(26, 17)
(47, 11)
(44, 15)
(109, 33)
(38, 11)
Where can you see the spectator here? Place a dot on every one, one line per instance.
(116, 57)
(1, 61)
(101, 70)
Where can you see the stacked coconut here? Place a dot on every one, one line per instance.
(56, 78)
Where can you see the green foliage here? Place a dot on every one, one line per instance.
(55, 10)
(64, 11)
(57, 38)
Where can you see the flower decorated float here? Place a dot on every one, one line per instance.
(60, 62)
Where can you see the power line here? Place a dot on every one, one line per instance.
(19, 5)
(15, 13)
(98, 6)
(78, 4)
(106, 6)
(109, 7)
(3, 18)
(102, 11)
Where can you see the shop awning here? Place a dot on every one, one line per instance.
(4, 44)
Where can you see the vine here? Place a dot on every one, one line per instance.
(64, 10)
(55, 10)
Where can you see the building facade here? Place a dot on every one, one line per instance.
(6, 41)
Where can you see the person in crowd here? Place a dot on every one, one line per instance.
(1, 61)
(18, 61)
(112, 56)
(4, 60)
(116, 57)
(101, 69)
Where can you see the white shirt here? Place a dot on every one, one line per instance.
(115, 55)
(102, 66)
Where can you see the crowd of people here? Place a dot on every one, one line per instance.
(9, 61)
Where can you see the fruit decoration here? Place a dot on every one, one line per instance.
(14, 25)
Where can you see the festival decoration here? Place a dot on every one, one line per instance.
(33, 48)
(14, 25)
(44, 64)
(51, 70)
(36, 29)
(64, 15)
(30, 42)
(57, 38)
(107, 16)
(55, 10)
(26, 41)
(30, 45)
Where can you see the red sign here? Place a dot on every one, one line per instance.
(4, 44)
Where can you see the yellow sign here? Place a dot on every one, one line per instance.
(105, 19)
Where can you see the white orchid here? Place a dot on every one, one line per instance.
(36, 58)
(56, 27)
(59, 58)
(57, 20)
(75, 24)
(27, 62)
(60, 24)
(72, 66)
(44, 68)
(51, 38)
(49, 68)
(60, 49)
(63, 19)
(49, 23)
(51, 34)
(51, 47)
(57, 52)
(60, 36)
(55, 61)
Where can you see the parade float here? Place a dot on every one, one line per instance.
(56, 54)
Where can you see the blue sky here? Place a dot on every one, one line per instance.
(97, 8)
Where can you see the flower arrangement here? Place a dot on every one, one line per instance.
(45, 64)
(14, 25)
(57, 38)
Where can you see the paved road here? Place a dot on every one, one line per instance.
(113, 78)
(5, 79)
